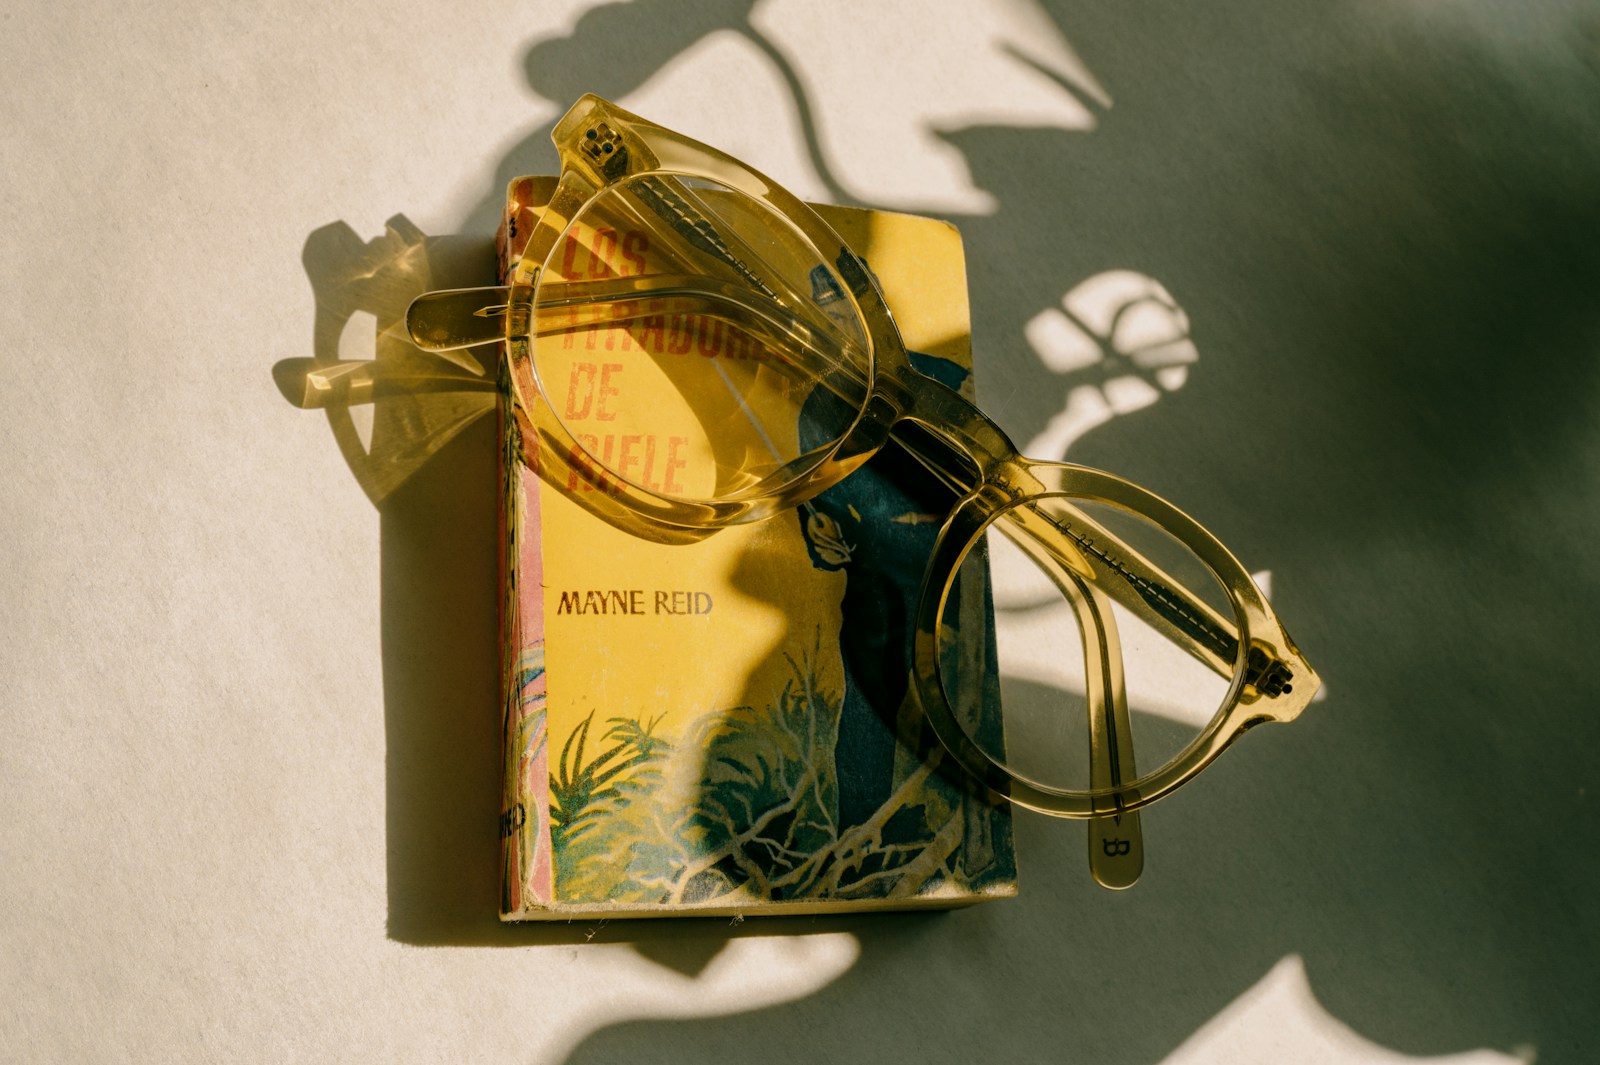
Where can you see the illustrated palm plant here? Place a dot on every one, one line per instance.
(746, 807)
(583, 793)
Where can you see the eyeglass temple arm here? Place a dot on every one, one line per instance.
(1116, 842)
(312, 385)
(452, 319)
(1116, 839)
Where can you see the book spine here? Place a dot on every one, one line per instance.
(527, 869)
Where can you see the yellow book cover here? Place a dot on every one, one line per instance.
(724, 727)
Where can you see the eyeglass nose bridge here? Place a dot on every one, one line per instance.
(946, 433)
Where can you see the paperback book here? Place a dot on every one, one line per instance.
(725, 726)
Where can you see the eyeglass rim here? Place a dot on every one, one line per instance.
(652, 149)
(1241, 708)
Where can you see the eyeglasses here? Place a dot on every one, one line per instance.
(748, 363)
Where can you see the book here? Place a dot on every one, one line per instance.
(724, 726)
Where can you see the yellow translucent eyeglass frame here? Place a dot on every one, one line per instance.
(1035, 503)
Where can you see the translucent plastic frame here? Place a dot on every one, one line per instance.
(1033, 502)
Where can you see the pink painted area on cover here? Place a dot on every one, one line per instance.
(533, 763)
(527, 859)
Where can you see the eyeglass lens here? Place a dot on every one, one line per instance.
(1090, 661)
(694, 342)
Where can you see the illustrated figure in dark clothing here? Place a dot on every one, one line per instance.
(878, 526)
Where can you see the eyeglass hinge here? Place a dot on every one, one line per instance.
(1266, 674)
(603, 146)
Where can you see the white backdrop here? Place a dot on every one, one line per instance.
(248, 759)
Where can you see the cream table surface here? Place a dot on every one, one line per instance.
(247, 766)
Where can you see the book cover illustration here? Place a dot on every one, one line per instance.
(724, 726)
